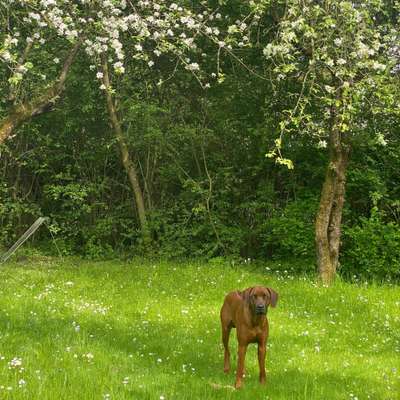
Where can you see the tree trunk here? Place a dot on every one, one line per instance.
(127, 161)
(329, 216)
(23, 112)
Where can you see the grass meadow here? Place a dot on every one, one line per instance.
(76, 329)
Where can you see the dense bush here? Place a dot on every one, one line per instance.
(372, 249)
(289, 232)
(16, 214)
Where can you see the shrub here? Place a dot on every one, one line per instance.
(289, 232)
(372, 249)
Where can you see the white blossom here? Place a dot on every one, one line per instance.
(193, 67)
(338, 42)
(380, 139)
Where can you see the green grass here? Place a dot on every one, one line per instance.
(142, 330)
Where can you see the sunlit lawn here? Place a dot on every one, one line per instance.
(143, 330)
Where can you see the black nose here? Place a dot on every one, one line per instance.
(260, 308)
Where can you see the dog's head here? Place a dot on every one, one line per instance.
(259, 298)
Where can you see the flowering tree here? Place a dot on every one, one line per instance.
(336, 56)
(36, 35)
(145, 33)
(114, 35)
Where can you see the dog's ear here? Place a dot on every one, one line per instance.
(246, 294)
(273, 297)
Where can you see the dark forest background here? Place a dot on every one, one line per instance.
(209, 189)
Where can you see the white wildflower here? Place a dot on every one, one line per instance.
(21, 382)
(15, 362)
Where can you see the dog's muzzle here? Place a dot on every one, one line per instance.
(260, 310)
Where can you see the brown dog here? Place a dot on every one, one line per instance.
(246, 311)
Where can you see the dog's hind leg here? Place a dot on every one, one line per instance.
(226, 330)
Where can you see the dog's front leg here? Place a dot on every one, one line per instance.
(261, 360)
(240, 366)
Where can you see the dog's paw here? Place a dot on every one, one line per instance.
(238, 385)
